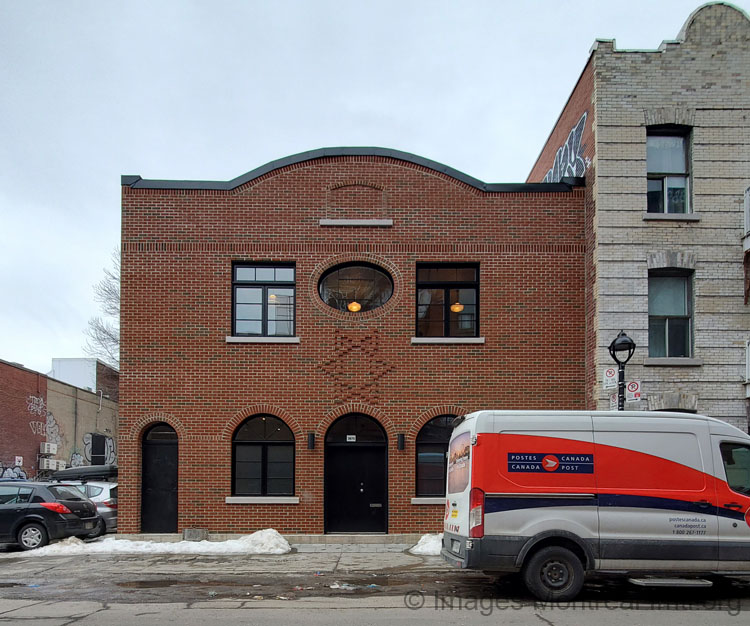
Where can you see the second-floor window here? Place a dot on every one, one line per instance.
(447, 300)
(263, 300)
(669, 314)
(668, 174)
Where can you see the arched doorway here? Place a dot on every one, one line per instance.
(356, 498)
(159, 480)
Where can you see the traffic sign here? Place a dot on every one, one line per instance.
(610, 378)
(633, 391)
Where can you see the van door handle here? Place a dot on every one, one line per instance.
(733, 505)
(703, 504)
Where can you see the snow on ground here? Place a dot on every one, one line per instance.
(428, 545)
(262, 542)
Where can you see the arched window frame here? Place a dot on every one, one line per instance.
(423, 448)
(263, 452)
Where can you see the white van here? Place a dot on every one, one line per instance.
(557, 494)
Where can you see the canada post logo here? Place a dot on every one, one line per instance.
(535, 462)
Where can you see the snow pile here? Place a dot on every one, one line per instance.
(429, 545)
(262, 542)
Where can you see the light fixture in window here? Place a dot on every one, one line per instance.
(272, 296)
(354, 306)
(457, 307)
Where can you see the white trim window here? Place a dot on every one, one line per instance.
(668, 172)
(670, 314)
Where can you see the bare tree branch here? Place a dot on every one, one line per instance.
(103, 334)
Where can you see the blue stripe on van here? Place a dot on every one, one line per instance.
(497, 504)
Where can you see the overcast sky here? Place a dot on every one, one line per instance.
(210, 89)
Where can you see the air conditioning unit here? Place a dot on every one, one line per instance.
(48, 464)
(47, 448)
(61, 465)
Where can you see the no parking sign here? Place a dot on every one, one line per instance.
(633, 391)
(610, 378)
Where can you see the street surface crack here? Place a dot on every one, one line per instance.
(545, 620)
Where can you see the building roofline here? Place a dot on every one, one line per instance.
(136, 182)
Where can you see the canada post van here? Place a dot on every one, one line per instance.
(555, 495)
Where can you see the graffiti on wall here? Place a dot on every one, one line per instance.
(12, 472)
(569, 159)
(47, 426)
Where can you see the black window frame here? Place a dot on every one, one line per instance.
(419, 444)
(687, 276)
(364, 264)
(264, 445)
(447, 286)
(264, 286)
(684, 133)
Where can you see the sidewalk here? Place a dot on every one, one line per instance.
(337, 543)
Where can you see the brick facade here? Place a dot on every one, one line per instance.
(700, 82)
(177, 366)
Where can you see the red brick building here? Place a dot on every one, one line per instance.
(296, 341)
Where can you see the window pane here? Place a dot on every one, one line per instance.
(369, 286)
(736, 458)
(427, 488)
(244, 273)
(247, 487)
(430, 312)
(247, 453)
(279, 453)
(264, 274)
(678, 333)
(466, 274)
(249, 295)
(249, 312)
(655, 195)
(657, 344)
(676, 194)
(665, 154)
(248, 328)
(667, 295)
(437, 431)
(280, 487)
(280, 470)
(285, 274)
(279, 296)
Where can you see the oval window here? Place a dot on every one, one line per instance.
(355, 287)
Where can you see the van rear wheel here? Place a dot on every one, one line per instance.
(554, 573)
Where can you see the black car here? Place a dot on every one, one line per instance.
(33, 513)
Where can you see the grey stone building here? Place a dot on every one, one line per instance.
(663, 140)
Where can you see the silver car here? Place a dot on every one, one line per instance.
(104, 496)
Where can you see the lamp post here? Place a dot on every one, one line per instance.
(621, 350)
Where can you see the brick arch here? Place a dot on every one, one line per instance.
(256, 409)
(135, 432)
(426, 416)
(354, 257)
(354, 407)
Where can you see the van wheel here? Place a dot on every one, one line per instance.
(32, 536)
(554, 573)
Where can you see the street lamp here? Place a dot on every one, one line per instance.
(621, 350)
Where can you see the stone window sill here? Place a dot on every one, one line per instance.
(447, 340)
(262, 339)
(428, 500)
(671, 217)
(671, 362)
(262, 499)
(384, 223)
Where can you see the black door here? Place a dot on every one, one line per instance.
(159, 494)
(356, 499)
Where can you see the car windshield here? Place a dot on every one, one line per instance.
(66, 493)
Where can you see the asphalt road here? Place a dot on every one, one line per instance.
(324, 588)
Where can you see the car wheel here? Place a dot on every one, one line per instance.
(554, 573)
(100, 529)
(32, 536)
